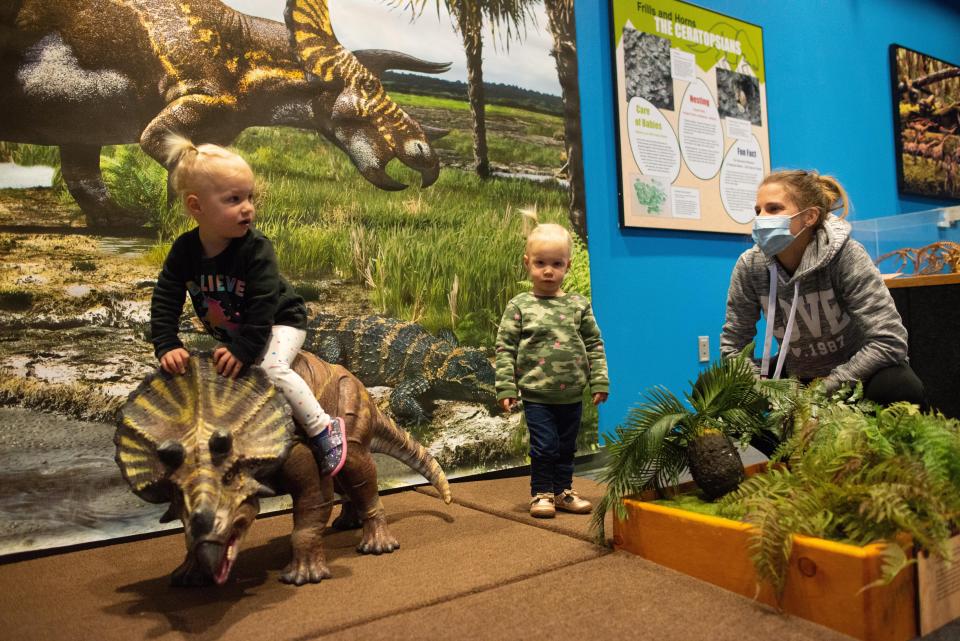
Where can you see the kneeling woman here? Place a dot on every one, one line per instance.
(823, 297)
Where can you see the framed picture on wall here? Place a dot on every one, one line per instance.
(926, 123)
(692, 124)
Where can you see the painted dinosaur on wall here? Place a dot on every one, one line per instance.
(211, 445)
(420, 367)
(81, 74)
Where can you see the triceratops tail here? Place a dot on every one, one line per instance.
(390, 440)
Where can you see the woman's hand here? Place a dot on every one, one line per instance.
(599, 397)
(508, 404)
(227, 364)
(175, 361)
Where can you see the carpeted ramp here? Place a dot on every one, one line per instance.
(510, 498)
(122, 591)
(618, 596)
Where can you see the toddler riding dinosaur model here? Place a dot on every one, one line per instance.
(81, 74)
(211, 445)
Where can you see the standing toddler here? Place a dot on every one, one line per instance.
(548, 351)
(230, 271)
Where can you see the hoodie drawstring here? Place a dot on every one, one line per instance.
(771, 315)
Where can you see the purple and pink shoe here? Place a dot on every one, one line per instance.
(330, 447)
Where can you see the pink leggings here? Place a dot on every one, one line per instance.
(281, 349)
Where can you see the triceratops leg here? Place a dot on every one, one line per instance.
(312, 502)
(358, 478)
(80, 165)
(348, 519)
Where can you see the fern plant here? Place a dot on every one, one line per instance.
(855, 474)
(663, 435)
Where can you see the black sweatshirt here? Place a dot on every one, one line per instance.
(238, 294)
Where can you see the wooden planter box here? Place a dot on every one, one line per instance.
(823, 582)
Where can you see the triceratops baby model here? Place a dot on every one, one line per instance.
(211, 446)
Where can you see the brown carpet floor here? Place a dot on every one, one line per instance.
(482, 572)
(510, 498)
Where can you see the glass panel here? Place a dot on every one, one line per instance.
(906, 241)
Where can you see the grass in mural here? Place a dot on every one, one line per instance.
(433, 102)
(503, 149)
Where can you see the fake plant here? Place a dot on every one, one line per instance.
(663, 436)
(857, 474)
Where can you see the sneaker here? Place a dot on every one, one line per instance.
(330, 447)
(570, 501)
(541, 506)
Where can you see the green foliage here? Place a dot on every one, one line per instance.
(29, 155)
(856, 474)
(651, 450)
(136, 182)
(503, 149)
(578, 278)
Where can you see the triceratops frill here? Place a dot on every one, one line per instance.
(211, 445)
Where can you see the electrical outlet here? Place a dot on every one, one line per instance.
(703, 347)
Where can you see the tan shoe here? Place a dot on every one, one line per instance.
(541, 506)
(570, 501)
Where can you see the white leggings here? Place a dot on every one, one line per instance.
(281, 349)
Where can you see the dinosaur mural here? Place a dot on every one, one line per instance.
(211, 446)
(81, 74)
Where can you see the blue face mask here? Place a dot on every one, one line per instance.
(772, 233)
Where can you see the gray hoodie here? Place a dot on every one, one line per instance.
(845, 326)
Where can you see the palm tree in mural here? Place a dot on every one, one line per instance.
(563, 30)
(506, 17)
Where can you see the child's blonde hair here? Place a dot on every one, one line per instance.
(811, 189)
(191, 163)
(550, 232)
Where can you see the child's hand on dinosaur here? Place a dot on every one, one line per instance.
(175, 361)
(227, 364)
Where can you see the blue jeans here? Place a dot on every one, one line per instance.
(553, 443)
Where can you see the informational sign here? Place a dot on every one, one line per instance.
(692, 116)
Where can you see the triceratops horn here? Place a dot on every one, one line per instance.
(264, 491)
(434, 133)
(220, 443)
(171, 454)
(380, 60)
(170, 514)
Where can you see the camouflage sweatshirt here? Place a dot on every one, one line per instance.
(549, 350)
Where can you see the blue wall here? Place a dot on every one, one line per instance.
(830, 108)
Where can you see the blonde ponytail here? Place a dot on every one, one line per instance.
(835, 194)
(188, 162)
(811, 189)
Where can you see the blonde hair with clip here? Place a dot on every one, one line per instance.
(193, 164)
(812, 189)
